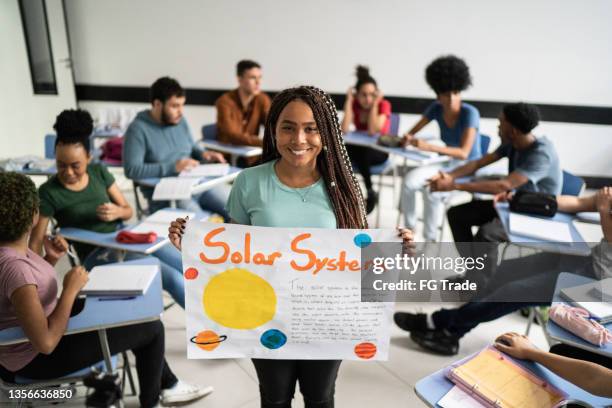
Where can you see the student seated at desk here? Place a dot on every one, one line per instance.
(86, 196)
(533, 165)
(242, 111)
(158, 143)
(589, 376)
(459, 124)
(517, 283)
(28, 299)
(366, 108)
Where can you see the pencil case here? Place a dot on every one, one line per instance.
(576, 321)
(127, 237)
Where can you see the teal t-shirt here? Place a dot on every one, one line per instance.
(259, 198)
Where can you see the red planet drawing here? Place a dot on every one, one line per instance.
(191, 273)
(365, 350)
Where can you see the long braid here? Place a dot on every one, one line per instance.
(333, 162)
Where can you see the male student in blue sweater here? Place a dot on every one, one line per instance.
(158, 143)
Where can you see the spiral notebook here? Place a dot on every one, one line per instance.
(495, 380)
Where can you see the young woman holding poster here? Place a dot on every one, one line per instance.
(305, 180)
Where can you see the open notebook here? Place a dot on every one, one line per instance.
(495, 380)
(546, 230)
(120, 280)
(159, 221)
(207, 170)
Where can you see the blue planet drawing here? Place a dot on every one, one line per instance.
(273, 339)
(362, 240)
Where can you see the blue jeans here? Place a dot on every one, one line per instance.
(212, 200)
(169, 260)
(530, 279)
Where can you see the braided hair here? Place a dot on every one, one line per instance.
(333, 162)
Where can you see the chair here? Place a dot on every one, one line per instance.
(209, 132)
(387, 166)
(68, 381)
(50, 145)
(141, 211)
(572, 184)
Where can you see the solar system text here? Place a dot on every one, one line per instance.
(306, 259)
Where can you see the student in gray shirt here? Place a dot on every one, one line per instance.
(533, 165)
(158, 143)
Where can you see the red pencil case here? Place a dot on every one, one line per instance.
(127, 237)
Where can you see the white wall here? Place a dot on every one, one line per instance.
(545, 51)
(24, 117)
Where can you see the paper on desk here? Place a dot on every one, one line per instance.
(457, 398)
(174, 188)
(591, 233)
(130, 280)
(420, 152)
(159, 221)
(547, 230)
(207, 170)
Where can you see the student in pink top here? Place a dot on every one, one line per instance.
(366, 109)
(28, 298)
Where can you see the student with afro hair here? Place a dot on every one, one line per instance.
(448, 76)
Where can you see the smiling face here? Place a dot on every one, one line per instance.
(71, 160)
(297, 137)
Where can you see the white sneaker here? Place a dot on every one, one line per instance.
(183, 392)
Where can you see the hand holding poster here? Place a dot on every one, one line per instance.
(281, 293)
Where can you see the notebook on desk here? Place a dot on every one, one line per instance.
(594, 297)
(495, 380)
(207, 170)
(120, 280)
(539, 228)
(159, 221)
(174, 188)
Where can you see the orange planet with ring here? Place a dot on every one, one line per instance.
(208, 340)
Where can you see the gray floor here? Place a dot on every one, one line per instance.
(360, 384)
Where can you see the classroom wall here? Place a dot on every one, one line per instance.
(24, 117)
(545, 52)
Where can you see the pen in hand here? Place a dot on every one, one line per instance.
(69, 252)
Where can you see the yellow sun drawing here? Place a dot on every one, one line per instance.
(239, 299)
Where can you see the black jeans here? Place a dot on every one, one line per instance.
(277, 380)
(518, 283)
(76, 351)
(580, 354)
(364, 158)
(481, 213)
